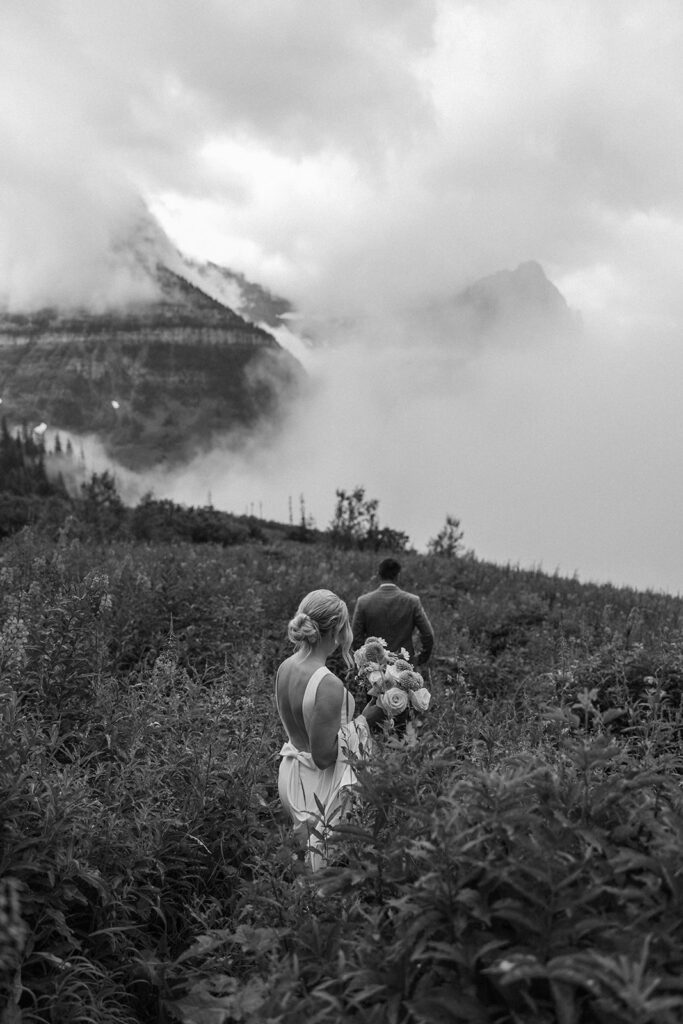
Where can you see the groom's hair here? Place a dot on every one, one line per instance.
(389, 569)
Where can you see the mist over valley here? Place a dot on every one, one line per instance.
(456, 284)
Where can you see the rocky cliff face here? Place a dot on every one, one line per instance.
(252, 301)
(156, 381)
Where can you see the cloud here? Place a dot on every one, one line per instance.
(532, 131)
(563, 458)
(370, 157)
(352, 154)
(102, 102)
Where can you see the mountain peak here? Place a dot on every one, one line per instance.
(162, 374)
(525, 287)
(522, 302)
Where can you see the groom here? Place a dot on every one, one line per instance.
(394, 615)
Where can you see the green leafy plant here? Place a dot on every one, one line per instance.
(514, 858)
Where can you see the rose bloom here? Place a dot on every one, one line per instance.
(393, 701)
(420, 698)
(375, 676)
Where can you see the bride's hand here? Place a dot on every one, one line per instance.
(373, 714)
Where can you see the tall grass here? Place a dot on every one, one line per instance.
(515, 858)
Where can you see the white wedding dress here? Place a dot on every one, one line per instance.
(304, 788)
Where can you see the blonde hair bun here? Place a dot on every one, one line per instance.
(302, 629)
(321, 612)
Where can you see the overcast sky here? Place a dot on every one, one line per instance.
(363, 157)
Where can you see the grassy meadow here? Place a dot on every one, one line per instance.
(517, 859)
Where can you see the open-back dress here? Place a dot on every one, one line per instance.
(304, 788)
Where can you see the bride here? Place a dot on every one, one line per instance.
(317, 711)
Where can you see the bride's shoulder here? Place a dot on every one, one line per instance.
(330, 688)
(331, 680)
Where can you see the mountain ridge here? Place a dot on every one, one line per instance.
(189, 360)
(155, 380)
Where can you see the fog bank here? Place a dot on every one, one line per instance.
(365, 157)
(552, 457)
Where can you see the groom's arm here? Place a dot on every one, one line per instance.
(358, 626)
(424, 627)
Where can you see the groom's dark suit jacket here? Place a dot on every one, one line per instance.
(395, 615)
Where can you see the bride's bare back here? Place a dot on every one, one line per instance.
(320, 739)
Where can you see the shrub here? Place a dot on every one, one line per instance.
(514, 858)
(356, 525)
(448, 540)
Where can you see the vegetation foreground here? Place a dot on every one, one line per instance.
(516, 859)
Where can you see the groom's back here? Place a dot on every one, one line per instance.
(390, 613)
(393, 614)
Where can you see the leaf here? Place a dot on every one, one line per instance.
(612, 714)
(342, 879)
(258, 940)
(204, 1006)
(319, 804)
(440, 951)
(626, 859)
(517, 967)
(447, 1005)
(11, 1014)
(353, 832)
(564, 997)
(199, 1009)
(204, 944)
(514, 913)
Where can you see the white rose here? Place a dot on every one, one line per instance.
(420, 698)
(375, 676)
(394, 701)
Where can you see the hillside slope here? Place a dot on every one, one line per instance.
(155, 381)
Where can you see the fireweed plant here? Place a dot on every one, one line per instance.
(513, 857)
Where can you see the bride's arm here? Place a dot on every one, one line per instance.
(325, 721)
(373, 714)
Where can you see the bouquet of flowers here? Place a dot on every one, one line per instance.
(391, 678)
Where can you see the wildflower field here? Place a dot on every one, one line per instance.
(518, 859)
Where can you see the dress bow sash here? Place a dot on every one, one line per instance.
(302, 756)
